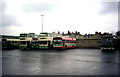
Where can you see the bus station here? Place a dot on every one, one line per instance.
(59, 38)
(55, 54)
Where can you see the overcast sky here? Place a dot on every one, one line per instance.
(85, 16)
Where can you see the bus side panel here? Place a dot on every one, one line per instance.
(70, 45)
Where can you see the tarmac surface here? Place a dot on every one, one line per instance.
(60, 62)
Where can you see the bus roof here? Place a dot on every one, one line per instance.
(44, 33)
(64, 38)
(107, 36)
(9, 37)
(24, 33)
(12, 39)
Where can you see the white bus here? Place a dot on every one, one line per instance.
(25, 40)
(45, 42)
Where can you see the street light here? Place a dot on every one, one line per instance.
(42, 22)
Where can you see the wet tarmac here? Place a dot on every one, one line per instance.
(60, 62)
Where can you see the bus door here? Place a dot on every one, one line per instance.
(63, 42)
(28, 44)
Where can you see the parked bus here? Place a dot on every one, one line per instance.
(25, 40)
(35, 42)
(45, 42)
(107, 42)
(64, 43)
(10, 42)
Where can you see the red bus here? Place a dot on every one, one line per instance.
(64, 43)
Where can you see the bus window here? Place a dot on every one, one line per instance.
(15, 41)
(57, 41)
(34, 42)
(110, 40)
(8, 42)
(12, 42)
(74, 41)
(43, 42)
(23, 35)
(4, 41)
(23, 42)
(67, 41)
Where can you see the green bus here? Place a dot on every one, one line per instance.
(107, 42)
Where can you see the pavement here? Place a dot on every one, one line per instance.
(60, 62)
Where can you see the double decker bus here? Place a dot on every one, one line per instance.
(25, 40)
(64, 42)
(10, 42)
(35, 42)
(45, 40)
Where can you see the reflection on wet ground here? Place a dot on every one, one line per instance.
(59, 62)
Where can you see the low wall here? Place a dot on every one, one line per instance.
(89, 43)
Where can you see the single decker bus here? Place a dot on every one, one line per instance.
(64, 42)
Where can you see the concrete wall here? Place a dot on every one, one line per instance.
(88, 43)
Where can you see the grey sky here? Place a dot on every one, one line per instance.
(109, 7)
(119, 16)
(62, 15)
(38, 7)
(7, 19)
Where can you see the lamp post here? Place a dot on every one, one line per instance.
(42, 22)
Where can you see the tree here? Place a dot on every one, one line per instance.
(117, 33)
(96, 32)
(105, 33)
(62, 33)
(58, 32)
(76, 32)
(85, 35)
(100, 33)
(72, 33)
(69, 33)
